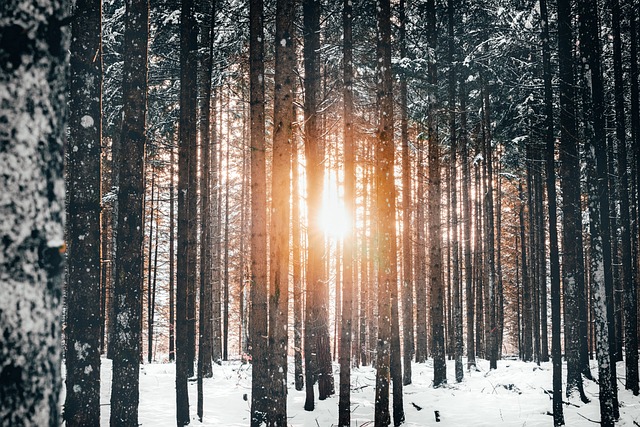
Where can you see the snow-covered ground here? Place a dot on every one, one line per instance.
(513, 395)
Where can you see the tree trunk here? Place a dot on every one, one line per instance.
(420, 260)
(457, 292)
(466, 212)
(205, 349)
(186, 191)
(344, 404)
(558, 414)
(631, 292)
(280, 210)
(83, 320)
(385, 210)
(572, 258)
(527, 348)
(407, 230)
(317, 341)
(630, 301)
(297, 268)
(601, 268)
(258, 317)
(33, 77)
(149, 266)
(172, 353)
(128, 286)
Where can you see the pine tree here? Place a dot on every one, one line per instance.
(128, 285)
(82, 405)
(258, 317)
(33, 78)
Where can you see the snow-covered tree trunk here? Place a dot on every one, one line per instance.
(82, 405)
(572, 257)
(129, 280)
(33, 69)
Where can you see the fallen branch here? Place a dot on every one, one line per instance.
(588, 419)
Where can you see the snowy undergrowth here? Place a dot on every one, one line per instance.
(516, 394)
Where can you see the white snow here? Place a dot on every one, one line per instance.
(513, 395)
(86, 121)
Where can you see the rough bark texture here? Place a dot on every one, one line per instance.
(466, 212)
(572, 260)
(128, 285)
(82, 405)
(33, 84)
(600, 260)
(407, 230)
(385, 210)
(186, 192)
(297, 268)
(205, 340)
(455, 263)
(420, 260)
(558, 414)
(280, 210)
(317, 342)
(258, 317)
(344, 404)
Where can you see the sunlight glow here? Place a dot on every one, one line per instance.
(333, 216)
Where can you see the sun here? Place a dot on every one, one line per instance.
(334, 219)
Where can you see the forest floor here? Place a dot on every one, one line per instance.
(516, 394)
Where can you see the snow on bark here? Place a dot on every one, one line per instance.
(32, 99)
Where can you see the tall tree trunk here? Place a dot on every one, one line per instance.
(558, 414)
(258, 317)
(172, 274)
(436, 304)
(317, 341)
(386, 231)
(466, 212)
(149, 267)
(280, 210)
(527, 348)
(128, 286)
(225, 290)
(420, 260)
(344, 404)
(365, 284)
(572, 258)
(601, 268)
(34, 78)
(83, 308)
(630, 301)
(297, 267)
(478, 266)
(492, 339)
(407, 231)
(457, 292)
(631, 292)
(205, 349)
(186, 191)
(216, 233)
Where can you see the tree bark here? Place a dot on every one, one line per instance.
(33, 77)
(83, 308)
(344, 404)
(186, 191)
(572, 258)
(280, 210)
(258, 317)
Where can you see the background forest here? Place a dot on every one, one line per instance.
(381, 184)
